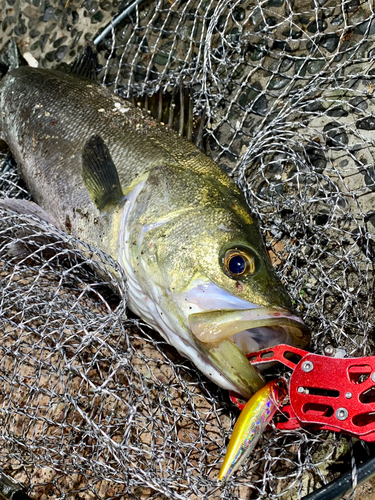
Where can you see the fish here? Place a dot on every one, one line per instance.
(109, 174)
(252, 422)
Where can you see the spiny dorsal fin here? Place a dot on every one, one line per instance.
(100, 175)
(85, 64)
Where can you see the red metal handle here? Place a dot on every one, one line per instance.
(336, 394)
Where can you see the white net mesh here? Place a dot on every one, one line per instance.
(92, 403)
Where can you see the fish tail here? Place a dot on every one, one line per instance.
(11, 58)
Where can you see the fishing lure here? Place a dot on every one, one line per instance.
(251, 424)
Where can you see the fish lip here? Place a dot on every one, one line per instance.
(212, 327)
(215, 333)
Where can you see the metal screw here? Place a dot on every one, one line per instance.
(301, 390)
(348, 395)
(329, 350)
(342, 413)
(307, 366)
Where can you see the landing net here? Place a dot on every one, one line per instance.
(93, 404)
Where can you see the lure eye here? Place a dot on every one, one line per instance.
(238, 263)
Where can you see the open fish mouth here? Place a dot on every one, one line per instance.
(227, 336)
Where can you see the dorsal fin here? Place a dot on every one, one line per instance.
(100, 174)
(86, 63)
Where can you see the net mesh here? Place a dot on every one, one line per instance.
(92, 403)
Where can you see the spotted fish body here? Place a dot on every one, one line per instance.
(112, 176)
(252, 422)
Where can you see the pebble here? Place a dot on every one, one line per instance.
(59, 41)
(317, 158)
(367, 123)
(317, 26)
(30, 59)
(235, 35)
(61, 52)
(29, 12)
(50, 28)
(371, 219)
(249, 95)
(367, 27)
(282, 66)
(97, 18)
(337, 112)
(321, 219)
(258, 54)
(20, 29)
(351, 6)
(281, 45)
(294, 34)
(336, 21)
(50, 56)
(105, 5)
(48, 14)
(336, 136)
(75, 17)
(356, 18)
(370, 178)
(260, 105)
(91, 6)
(278, 82)
(314, 106)
(314, 67)
(34, 33)
(271, 21)
(42, 41)
(239, 14)
(301, 67)
(163, 54)
(256, 16)
(359, 104)
(329, 42)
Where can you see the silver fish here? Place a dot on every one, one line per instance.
(196, 266)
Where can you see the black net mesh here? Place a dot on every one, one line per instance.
(92, 403)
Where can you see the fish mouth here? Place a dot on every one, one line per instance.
(227, 336)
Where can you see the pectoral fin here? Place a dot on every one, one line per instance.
(27, 238)
(24, 207)
(100, 174)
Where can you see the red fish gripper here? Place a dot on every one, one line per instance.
(336, 394)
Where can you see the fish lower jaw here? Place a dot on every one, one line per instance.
(263, 337)
(231, 355)
(229, 336)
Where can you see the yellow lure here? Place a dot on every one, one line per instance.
(251, 424)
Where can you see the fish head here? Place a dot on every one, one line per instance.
(216, 291)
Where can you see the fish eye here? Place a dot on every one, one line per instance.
(238, 263)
